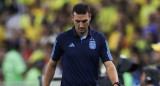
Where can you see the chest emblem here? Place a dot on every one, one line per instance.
(92, 43)
(71, 45)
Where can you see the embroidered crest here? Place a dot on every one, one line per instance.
(92, 43)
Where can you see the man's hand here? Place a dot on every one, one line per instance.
(116, 85)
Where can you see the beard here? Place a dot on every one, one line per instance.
(82, 29)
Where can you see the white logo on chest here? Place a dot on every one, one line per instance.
(71, 45)
(92, 43)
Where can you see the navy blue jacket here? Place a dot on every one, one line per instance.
(80, 57)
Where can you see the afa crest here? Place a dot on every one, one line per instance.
(92, 43)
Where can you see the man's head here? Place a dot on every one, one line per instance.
(81, 17)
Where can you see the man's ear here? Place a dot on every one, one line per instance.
(90, 15)
(72, 17)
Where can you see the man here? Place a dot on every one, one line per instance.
(80, 49)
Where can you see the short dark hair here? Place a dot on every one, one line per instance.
(81, 8)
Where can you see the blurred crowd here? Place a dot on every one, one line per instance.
(28, 29)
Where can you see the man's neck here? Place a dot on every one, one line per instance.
(83, 34)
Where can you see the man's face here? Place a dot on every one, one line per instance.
(81, 22)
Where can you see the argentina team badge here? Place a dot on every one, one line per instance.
(92, 43)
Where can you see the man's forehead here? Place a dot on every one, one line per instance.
(75, 14)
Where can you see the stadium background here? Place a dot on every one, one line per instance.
(28, 29)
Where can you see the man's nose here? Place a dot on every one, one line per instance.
(81, 24)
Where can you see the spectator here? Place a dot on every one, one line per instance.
(12, 67)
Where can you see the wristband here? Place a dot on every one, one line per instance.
(117, 83)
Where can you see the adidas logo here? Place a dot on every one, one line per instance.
(71, 45)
